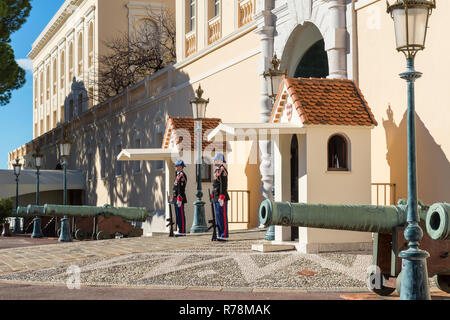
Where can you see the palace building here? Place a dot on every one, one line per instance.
(332, 130)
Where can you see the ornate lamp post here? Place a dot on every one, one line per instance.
(275, 76)
(17, 167)
(199, 109)
(64, 149)
(411, 22)
(37, 231)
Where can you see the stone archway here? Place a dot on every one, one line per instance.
(310, 21)
(300, 41)
(314, 63)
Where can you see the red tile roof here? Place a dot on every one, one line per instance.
(326, 102)
(184, 126)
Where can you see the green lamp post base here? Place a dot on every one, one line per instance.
(199, 223)
(37, 231)
(65, 231)
(270, 234)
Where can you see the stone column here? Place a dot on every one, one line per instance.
(335, 40)
(266, 29)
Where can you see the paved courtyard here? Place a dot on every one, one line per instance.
(182, 264)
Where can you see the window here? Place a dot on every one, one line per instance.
(192, 15)
(48, 123)
(70, 62)
(216, 6)
(118, 163)
(63, 69)
(103, 164)
(55, 81)
(80, 54)
(54, 119)
(91, 45)
(337, 153)
(41, 88)
(91, 97)
(62, 114)
(47, 83)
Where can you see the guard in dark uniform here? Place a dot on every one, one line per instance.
(221, 197)
(179, 197)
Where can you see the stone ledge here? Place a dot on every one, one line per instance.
(272, 247)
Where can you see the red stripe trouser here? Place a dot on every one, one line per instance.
(222, 219)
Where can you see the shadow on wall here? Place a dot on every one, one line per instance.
(95, 149)
(77, 101)
(433, 167)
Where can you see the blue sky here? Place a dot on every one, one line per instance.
(16, 118)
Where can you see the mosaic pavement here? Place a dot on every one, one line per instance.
(192, 261)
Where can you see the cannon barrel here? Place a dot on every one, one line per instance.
(35, 210)
(438, 221)
(364, 218)
(129, 213)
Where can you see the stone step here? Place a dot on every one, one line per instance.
(267, 247)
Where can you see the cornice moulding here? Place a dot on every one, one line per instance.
(66, 10)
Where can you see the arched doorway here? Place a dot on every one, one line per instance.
(294, 180)
(304, 53)
(314, 64)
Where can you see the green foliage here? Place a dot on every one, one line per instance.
(13, 13)
(6, 206)
(11, 75)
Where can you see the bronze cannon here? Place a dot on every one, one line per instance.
(103, 221)
(386, 222)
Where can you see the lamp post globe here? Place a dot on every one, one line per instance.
(199, 105)
(37, 155)
(411, 22)
(17, 168)
(64, 149)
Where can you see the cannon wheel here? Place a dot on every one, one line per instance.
(383, 291)
(80, 234)
(443, 282)
(134, 233)
(102, 235)
(398, 283)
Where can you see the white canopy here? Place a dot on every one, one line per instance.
(242, 131)
(146, 154)
(49, 180)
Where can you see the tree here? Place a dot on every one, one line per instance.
(13, 14)
(131, 58)
(11, 75)
(6, 206)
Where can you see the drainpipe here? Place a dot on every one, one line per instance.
(355, 53)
